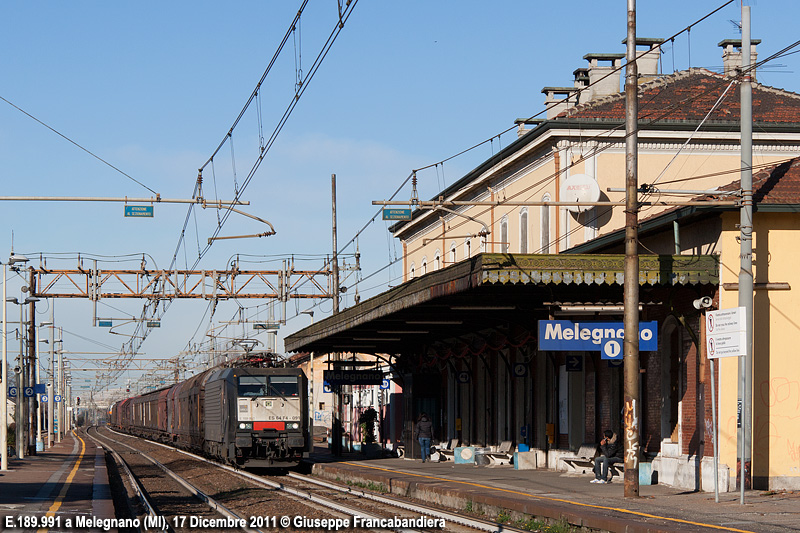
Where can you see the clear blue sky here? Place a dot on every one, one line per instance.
(152, 87)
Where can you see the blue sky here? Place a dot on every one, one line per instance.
(153, 87)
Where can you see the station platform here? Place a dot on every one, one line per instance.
(67, 481)
(500, 490)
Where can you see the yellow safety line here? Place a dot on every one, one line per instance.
(57, 504)
(637, 513)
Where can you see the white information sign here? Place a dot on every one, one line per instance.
(726, 334)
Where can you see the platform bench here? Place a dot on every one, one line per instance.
(446, 450)
(583, 461)
(504, 453)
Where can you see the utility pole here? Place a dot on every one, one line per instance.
(51, 404)
(745, 388)
(631, 287)
(5, 384)
(21, 384)
(60, 388)
(32, 368)
(338, 413)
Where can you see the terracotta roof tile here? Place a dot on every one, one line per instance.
(775, 185)
(688, 96)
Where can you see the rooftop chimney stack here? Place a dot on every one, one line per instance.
(732, 56)
(648, 63)
(558, 99)
(581, 82)
(604, 84)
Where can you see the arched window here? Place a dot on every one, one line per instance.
(411, 271)
(437, 261)
(467, 248)
(423, 266)
(504, 235)
(545, 236)
(523, 230)
(453, 252)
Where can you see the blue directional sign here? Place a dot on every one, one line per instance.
(40, 388)
(384, 384)
(28, 392)
(57, 398)
(12, 392)
(104, 323)
(43, 398)
(326, 387)
(139, 211)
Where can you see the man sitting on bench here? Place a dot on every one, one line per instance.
(610, 453)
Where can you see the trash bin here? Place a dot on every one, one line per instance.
(482, 457)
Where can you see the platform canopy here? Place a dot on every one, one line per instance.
(494, 292)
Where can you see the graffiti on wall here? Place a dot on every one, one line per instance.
(323, 418)
(777, 427)
(631, 432)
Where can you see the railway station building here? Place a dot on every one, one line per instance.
(482, 271)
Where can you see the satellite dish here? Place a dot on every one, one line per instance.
(579, 188)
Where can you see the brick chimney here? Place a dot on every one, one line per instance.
(609, 85)
(732, 56)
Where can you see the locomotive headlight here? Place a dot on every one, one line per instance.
(245, 425)
(294, 425)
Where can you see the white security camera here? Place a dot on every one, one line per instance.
(703, 303)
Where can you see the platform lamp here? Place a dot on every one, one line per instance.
(4, 368)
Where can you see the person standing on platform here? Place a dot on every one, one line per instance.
(610, 453)
(424, 433)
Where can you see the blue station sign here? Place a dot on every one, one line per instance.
(605, 337)
(396, 213)
(139, 211)
(352, 377)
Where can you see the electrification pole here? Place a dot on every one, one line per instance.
(32, 402)
(746, 261)
(631, 287)
(5, 384)
(51, 404)
(338, 419)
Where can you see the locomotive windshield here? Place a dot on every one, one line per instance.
(252, 386)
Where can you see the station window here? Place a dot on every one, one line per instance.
(523, 231)
(504, 235)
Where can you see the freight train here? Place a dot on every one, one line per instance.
(248, 413)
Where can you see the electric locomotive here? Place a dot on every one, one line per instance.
(247, 412)
(256, 416)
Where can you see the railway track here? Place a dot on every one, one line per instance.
(297, 502)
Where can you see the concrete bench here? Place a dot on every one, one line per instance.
(445, 450)
(583, 461)
(504, 453)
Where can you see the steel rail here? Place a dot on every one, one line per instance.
(481, 525)
(197, 493)
(301, 494)
(135, 483)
